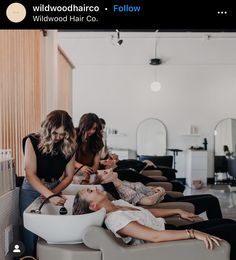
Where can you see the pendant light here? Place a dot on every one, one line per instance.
(155, 85)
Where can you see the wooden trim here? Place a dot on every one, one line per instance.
(21, 89)
(65, 68)
(66, 57)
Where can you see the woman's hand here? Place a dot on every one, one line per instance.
(42, 198)
(149, 164)
(209, 240)
(187, 215)
(158, 190)
(86, 170)
(58, 201)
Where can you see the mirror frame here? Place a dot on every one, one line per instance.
(215, 130)
(223, 167)
(146, 119)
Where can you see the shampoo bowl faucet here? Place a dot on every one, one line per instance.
(62, 211)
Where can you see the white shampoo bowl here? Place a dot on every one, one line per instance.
(60, 229)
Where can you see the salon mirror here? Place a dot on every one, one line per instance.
(151, 137)
(225, 143)
(225, 135)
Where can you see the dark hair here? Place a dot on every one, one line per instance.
(226, 148)
(80, 206)
(103, 122)
(86, 122)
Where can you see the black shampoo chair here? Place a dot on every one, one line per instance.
(163, 163)
(232, 167)
(221, 166)
(158, 160)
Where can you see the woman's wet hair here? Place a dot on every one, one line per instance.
(53, 121)
(80, 206)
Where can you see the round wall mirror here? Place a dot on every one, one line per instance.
(225, 145)
(225, 137)
(151, 137)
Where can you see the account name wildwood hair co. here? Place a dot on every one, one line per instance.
(66, 18)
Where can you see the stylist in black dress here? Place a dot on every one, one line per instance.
(49, 165)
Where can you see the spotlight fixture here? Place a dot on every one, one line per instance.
(119, 41)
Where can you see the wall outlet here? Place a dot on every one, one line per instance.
(8, 238)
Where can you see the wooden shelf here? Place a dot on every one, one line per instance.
(116, 135)
(191, 135)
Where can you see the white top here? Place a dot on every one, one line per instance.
(119, 219)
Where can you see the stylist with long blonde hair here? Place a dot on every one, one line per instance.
(49, 165)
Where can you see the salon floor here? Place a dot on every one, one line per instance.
(226, 198)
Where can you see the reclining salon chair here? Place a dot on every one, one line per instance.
(232, 167)
(101, 244)
(164, 166)
(221, 166)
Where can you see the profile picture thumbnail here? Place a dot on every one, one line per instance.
(16, 12)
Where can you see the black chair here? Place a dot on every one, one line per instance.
(232, 167)
(232, 173)
(221, 166)
(163, 163)
(158, 160)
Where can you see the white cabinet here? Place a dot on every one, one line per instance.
(7, 175)
(196, 164)
(124, 154)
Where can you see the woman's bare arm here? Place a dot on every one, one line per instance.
(138, 231)
(96, 161)
(159, 212)
(68, 176)
(78, 165)
(85, 169)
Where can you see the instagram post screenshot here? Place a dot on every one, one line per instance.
(117, 130)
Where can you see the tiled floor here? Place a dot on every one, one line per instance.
(226, 198)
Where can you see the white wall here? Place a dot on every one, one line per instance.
(233, 137)
(198, 80)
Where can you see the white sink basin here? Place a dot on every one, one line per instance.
(60, 229)
(72, 189)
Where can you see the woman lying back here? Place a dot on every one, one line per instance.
(136, 225)
(137, 193)
(132, 192)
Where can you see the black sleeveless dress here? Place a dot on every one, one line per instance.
(49, 166)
